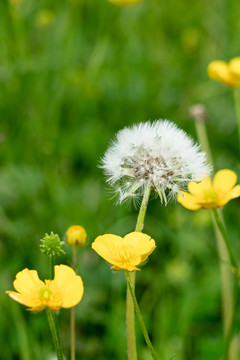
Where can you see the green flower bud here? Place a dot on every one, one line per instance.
(52, 245)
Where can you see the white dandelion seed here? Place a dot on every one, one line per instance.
(157, 156)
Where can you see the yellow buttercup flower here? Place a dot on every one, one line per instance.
(124, 253)
(124, 2)
(44, 19)
(207, 194)
(227, 73)
(64, 291)
(76, 236)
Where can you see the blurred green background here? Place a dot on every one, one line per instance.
(72, 73)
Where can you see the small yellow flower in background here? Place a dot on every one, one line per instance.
(207, 194)
(44, 19)
(16, 2)
(124, 253)
(76, 236)
(227, 73)
(124, 2)
(64, 291)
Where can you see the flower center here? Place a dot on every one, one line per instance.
(45, 293)
(211, 196)
(144, 166)
(126, 253)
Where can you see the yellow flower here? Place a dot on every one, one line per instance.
(124, 253)
(124, 2)
(207, 194)
(64, 291)
(227, 73)
(76, 236)
(44, 19)
(16, 2)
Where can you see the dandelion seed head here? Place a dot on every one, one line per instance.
(157, 155)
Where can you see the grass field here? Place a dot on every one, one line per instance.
(72, 73)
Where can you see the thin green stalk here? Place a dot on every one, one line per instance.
(236, 94)
(225, 238)
(54, 315)
(230, 329)
(54, 332)
(51, 257)
(72, 311)
(131, 337)
(225, 274)
(140, 318)
(203, 138)
(226, 278)
(143, 209)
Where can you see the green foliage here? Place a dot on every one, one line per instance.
(72, 73)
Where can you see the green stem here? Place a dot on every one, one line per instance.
(225, 274)
(225, 238)
(131, 337)
(72, 327)
(72, 311)
(54, 315)
(143, 209)
(54, 332)
(226, 278)
(140, 318)
(51, 257)
(230, 326)
(237, 107)
(203, 139)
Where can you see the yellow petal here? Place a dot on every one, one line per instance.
(76, 236)
(104, 245)
(224, 180)
(70, 284)
(108, 254)
(124, 253)
(232, 194)
(124, 2)
(188, 201)
(146, 255)
(73, 294)
(143, 242)
(21, 299)
(219, 70)
(128, 268)
(198, 187)
(26, 281)
(32, 303)
(136, 236)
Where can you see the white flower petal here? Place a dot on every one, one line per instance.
(157, 154)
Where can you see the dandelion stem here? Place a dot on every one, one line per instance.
(54, 332)
(72, 311)
(140, 318)
(236, 94)
(131, 337)
(143, 209)
(230, 328)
